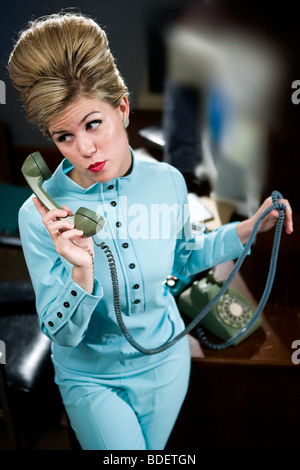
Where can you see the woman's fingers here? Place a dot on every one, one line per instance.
(271, 218)
(288, 219)
(71, 233)
(40, 207)
(64, 211)
(68, 241)
(55, 221)
(59, 225)
(54, 214)
(66, 208)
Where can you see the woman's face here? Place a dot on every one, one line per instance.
(92, 137)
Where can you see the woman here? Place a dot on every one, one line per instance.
(116, 397)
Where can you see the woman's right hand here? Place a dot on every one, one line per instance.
(70, 243)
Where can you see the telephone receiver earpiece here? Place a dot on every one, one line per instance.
(35, 172)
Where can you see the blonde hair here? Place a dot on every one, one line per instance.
(59, 57)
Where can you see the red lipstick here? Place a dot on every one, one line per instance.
(96, 167)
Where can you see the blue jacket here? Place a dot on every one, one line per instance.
(147, 230)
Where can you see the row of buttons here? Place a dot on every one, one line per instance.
(66, 305)
(125, 245)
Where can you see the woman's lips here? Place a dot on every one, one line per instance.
(96, 167)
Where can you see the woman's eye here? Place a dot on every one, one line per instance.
(91, 126)
(64, 138)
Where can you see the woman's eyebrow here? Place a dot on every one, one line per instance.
(81, 122)
(85, 117)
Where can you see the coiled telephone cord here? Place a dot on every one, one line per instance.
(276, 205)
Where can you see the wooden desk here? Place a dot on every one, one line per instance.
(247, 396)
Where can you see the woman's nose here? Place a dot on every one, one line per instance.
(86, 146)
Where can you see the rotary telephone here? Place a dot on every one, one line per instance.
(35, 171)
(227, 317)
(231, 310)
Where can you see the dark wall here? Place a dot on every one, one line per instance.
(124, 22)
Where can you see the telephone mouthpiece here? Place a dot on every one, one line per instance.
(87, 221)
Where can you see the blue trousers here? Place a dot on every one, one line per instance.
(136, 411)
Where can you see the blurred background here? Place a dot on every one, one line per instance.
(218, 74)
(211, 92)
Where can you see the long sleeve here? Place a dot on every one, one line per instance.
(64, 308)
(196, 253)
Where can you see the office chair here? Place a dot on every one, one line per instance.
(28, 393)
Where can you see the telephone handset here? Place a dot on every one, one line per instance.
(35, 171)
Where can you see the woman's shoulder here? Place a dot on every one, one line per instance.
(156, 167)
(29, 216)
(27, 206)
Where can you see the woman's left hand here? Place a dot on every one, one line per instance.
(244, 228)
(270, 220)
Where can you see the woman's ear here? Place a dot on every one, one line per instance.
(124, 111)
(124, 107)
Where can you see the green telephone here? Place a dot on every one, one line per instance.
(230, 314)
(35, 171)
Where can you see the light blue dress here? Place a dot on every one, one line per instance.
(103, 380)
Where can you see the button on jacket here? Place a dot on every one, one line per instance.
(147, 230)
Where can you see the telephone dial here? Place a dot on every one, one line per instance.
(235, 314)
(35, 171)
(228, 316)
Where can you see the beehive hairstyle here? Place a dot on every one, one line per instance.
(58, 58)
